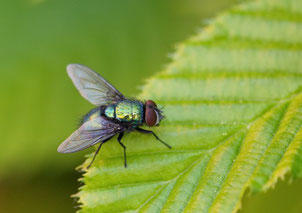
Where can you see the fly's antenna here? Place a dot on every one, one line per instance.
(161, 108)
(160, 112)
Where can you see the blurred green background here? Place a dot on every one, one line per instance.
(125, 40)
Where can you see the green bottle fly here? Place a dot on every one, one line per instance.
(114, 113)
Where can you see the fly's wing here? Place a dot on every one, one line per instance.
(89, 134)
(92, 86)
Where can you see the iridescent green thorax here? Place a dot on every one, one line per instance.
(129, 111)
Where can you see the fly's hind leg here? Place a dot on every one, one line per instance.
(97, 151)
(119, 139)
(151, 132)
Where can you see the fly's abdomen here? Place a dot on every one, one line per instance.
(110, 111)
(94, 113)
(129, 111)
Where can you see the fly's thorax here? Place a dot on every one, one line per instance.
(129, 111)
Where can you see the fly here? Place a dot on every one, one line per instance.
(114, 115)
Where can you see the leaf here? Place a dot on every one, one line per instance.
(233, 104)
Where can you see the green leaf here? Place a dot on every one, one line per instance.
(233, 104)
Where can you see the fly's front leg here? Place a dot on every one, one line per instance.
(119, 139)
(151, 132)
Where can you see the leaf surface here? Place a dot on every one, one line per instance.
(233, 105)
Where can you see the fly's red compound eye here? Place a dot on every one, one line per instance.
(151, 115)
(150, 103)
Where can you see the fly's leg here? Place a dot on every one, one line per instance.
(97, 151)
(120, 136)
(95, 154)
(151, 132)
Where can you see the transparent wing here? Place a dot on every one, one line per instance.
(92, 86)
(89, 134)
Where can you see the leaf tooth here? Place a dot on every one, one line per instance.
(284, 147)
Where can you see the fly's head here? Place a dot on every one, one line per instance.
(153, 115)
